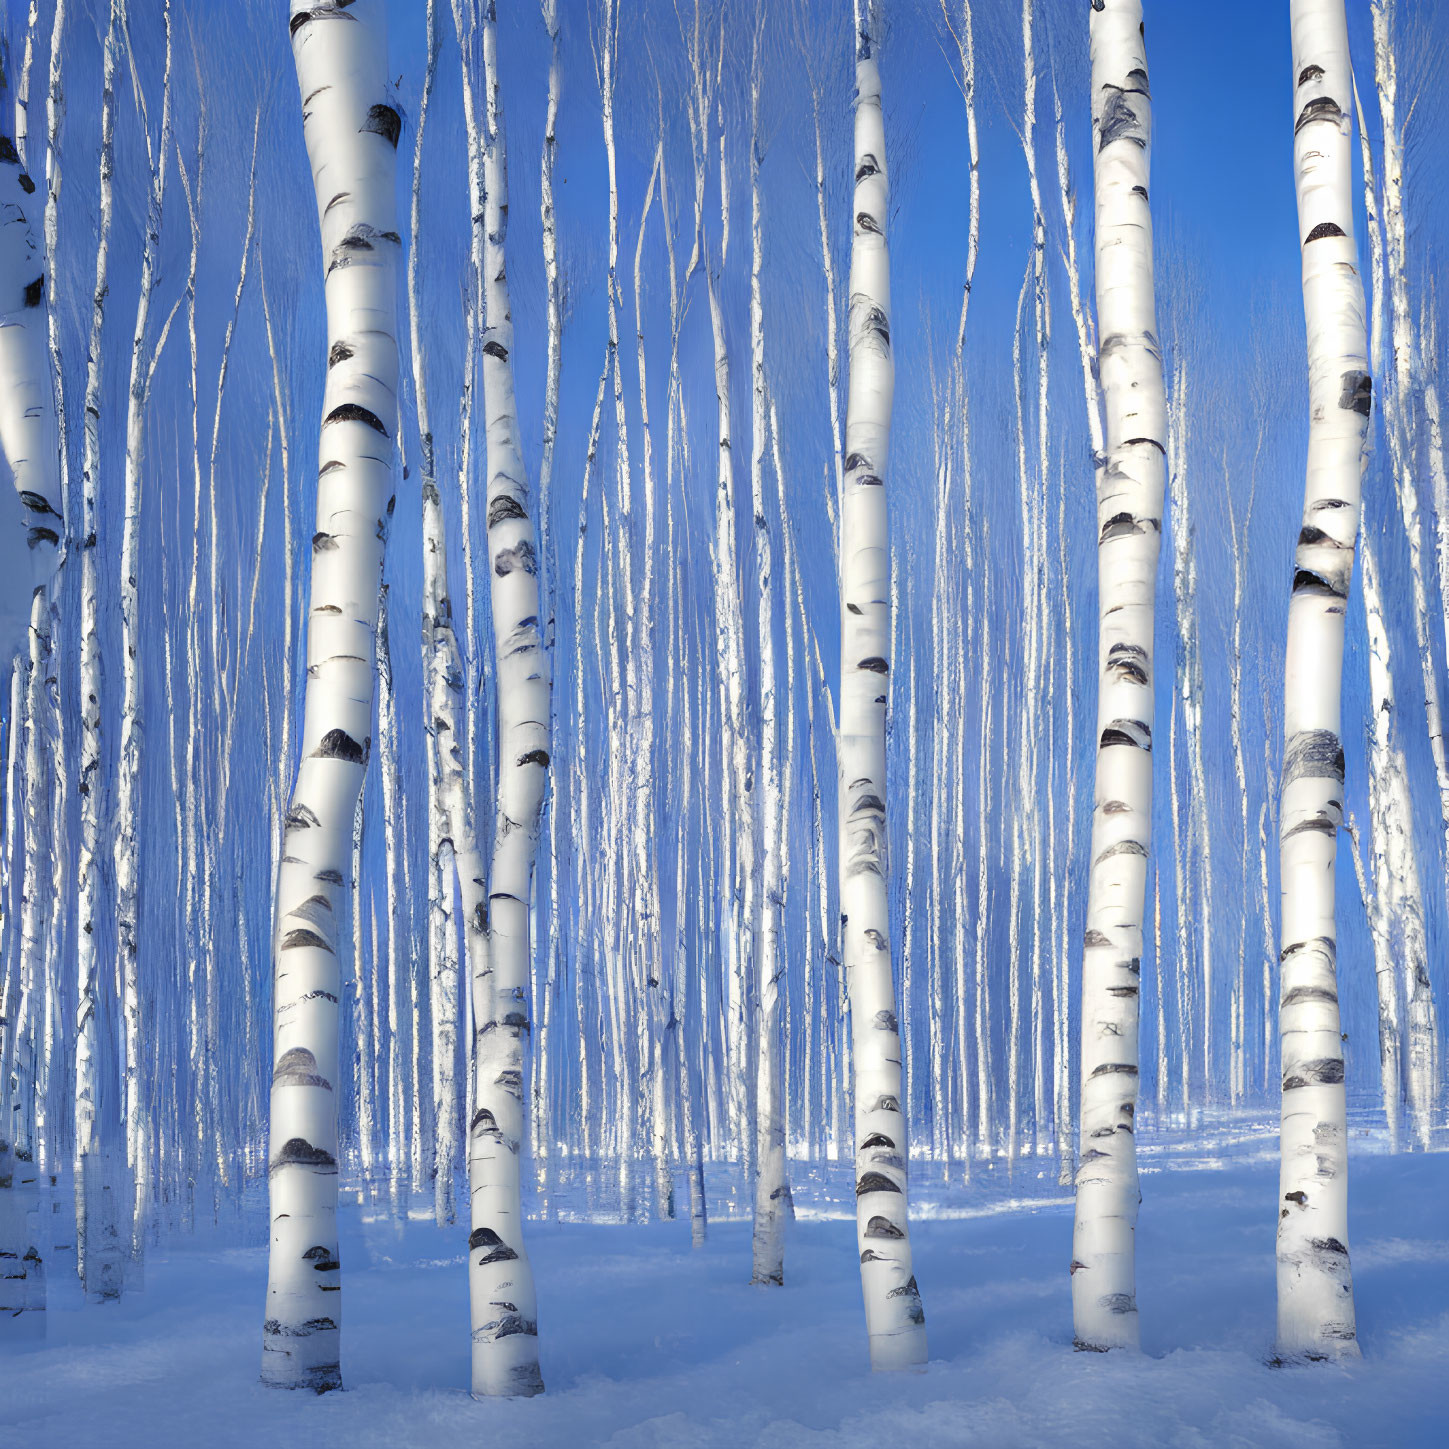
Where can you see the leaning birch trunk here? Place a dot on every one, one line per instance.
(1129, 520)
(500, 1281)
(1315, 1285)
(894, 1318)
(352, 136)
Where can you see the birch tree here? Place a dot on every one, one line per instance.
(500, 1280)
(895, 1321)
(351, 133)
(1129, 521)
(1315, 1284)
(30, 548)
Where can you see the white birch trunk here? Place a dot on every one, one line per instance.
(504, 1306)
(1129, 520)
(895, 1321)
(351, 133)
(30, 548)
(128, 827)
(1315, 1285)
(99, 1272)
(772, 1193)
(1423, 1060)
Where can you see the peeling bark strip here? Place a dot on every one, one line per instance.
(1129, 523)
(341, 60)
(894, 1318)
(1315, 1287)
(500, 1281)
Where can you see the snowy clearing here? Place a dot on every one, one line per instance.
(648, 1345)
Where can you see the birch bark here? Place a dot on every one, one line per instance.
(1315, 1284)
(351, 133)
(504, 1306)
(772, 1192)
(895, 1321)
(1129, 520)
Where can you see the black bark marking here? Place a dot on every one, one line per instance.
(353, 413)
(877, 1139)
(301, 937)
(874, 1182)
(385, 122)
(1119, 121)
(1321, 1072)
(504, 1327)
(340, 353)
(1122, 847)
(875, 664)
(35, 503)
(324, 543)
(521, 556)
(298, 1152)
(1120, 525)
(1358, 393)
(1314, 943)
(535, 757)
(881, 1227)
(1313, 754)
(1301, 995)
(298, 1068)
(864, 221)
(1108, 1069)
(339, 745)
(502, 508)
(1321, 108)
(1323, 584)
(34, 291)
(1127, 732)
(886, 1021)
(492, 348)
(1323, 824)
(1301, 1198)
(869, 166)
(485, 1124)
(497, 1250)
(1310, 72)
(1322, 231)
(1094, 937)
(1128, 661)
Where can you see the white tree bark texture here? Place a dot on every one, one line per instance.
(98, 1270)
(32, 523)
(351, 132)
(1315, 1284)
(128, 828)
(30, 536)
(500, 1280)
(895, 1321)
(1129, 522)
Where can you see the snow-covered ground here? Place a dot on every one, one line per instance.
(647, 1344)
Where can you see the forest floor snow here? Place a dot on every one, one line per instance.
(648, 1345)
